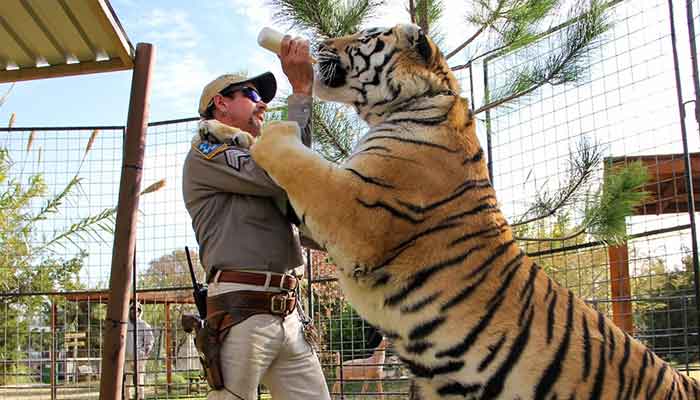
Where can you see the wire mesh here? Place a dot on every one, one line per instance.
(52, 301)
(626, 105)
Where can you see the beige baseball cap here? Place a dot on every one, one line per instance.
(265, 84)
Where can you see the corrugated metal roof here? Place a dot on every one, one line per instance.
(50, 38)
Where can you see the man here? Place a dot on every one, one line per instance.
(247, 245)
(144, 345)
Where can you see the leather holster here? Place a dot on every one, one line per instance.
(227, 310)
(208, 342)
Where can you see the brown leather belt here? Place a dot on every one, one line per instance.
(285, 282)
(228, 309)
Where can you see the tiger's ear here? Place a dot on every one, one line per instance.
(423, 48)
(417, 40)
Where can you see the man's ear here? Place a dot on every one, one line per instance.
(219, 103)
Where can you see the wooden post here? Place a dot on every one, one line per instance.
(125, 231)
(620, 287)
(168, 352)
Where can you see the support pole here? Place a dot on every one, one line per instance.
(125, 232)
(620, 287)
(54, 372)
(168, 350)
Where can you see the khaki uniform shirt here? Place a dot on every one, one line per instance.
(240, 217)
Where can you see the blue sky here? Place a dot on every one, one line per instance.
(195, 42)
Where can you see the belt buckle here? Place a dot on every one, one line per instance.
(278, 304)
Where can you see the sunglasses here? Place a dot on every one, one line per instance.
(247, 91)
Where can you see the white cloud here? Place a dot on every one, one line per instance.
(171, 29)
(179, 83)
(180, 71)
(255, 16)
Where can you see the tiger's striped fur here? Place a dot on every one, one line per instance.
(424, 252)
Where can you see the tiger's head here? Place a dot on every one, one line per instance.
(376, 69)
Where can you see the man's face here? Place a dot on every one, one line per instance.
(239, 109)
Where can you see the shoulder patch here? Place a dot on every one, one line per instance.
(209, 150)
(234, 158)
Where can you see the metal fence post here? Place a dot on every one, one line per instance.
(686, 161)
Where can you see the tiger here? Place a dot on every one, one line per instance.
(423, 251)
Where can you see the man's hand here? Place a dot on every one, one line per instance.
(296, 64)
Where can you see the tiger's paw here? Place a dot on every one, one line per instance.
(243, 139)
(226, 134)
(277, 129)
(273, 145)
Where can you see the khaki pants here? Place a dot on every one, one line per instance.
(266, 349)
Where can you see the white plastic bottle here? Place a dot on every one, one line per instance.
(271, 39)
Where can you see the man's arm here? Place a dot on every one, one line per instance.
(296, 64)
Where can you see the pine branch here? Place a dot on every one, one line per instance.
(480, 56)
(334, 131)
(484, 25)
(582, 163)
(337, 146)
(425, 14)
(576, 233)
(621, 194)
(605, 212)
(563, 66)
(324, 18)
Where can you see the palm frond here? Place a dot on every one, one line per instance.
(52, 205)
(88, 225)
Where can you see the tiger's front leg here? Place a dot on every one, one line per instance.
(323, 195)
